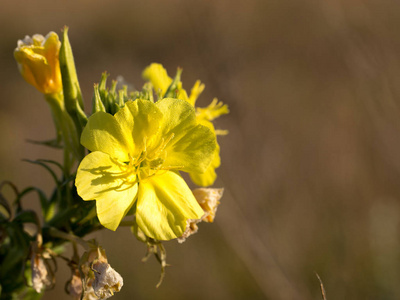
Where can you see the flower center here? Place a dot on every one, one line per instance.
(149, 163)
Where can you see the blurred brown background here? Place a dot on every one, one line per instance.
(311, 166)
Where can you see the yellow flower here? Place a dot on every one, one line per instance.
(134, 161)
(38, 62)
(162, 84)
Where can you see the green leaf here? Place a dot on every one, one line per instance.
(17, 250)
(27, 216)
(41, 163)
(53, 143)
(44, 202)
(6, 206)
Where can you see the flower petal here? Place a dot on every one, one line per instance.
(212, 111)
(158, 77)
(107, 181)
(209, 176)
(193, 145)
(197, 89)
(164, 204)
(141, 119)
(104, 133)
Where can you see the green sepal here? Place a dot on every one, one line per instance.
(147, 92)
(103, 91)
(121, 98)
(71, 88)
(82, 118)
(97, 103)
(172, 91)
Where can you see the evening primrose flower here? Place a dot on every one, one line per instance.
(135, 159)
(38, 62)
(162, 84)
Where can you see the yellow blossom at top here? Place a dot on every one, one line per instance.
(38, 62)
(162, 83)
(134, 162)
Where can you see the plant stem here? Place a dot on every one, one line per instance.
(54, 232)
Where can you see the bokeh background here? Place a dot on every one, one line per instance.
(311, 165)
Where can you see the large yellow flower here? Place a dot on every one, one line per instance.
(38, 62)
(162, 83)
(135, 158)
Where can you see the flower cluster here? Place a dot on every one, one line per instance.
(123, 166)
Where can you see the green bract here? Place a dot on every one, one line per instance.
(134, 160)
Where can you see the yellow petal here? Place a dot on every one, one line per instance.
(197, 89)
(164, 204)
(107, 181)
(193, 145)
(158, 77)
(104, 133)
(38, 62)
(140, 119)
(209, 176)
(212, 111)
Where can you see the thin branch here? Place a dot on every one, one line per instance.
(322, 287)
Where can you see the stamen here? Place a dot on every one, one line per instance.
(161, 147)
(171, 167)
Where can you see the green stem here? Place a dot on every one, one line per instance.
(66, 131)
(54, 232)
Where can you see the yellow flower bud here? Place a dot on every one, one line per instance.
(38, 62)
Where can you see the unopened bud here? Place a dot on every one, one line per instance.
(38, 62)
